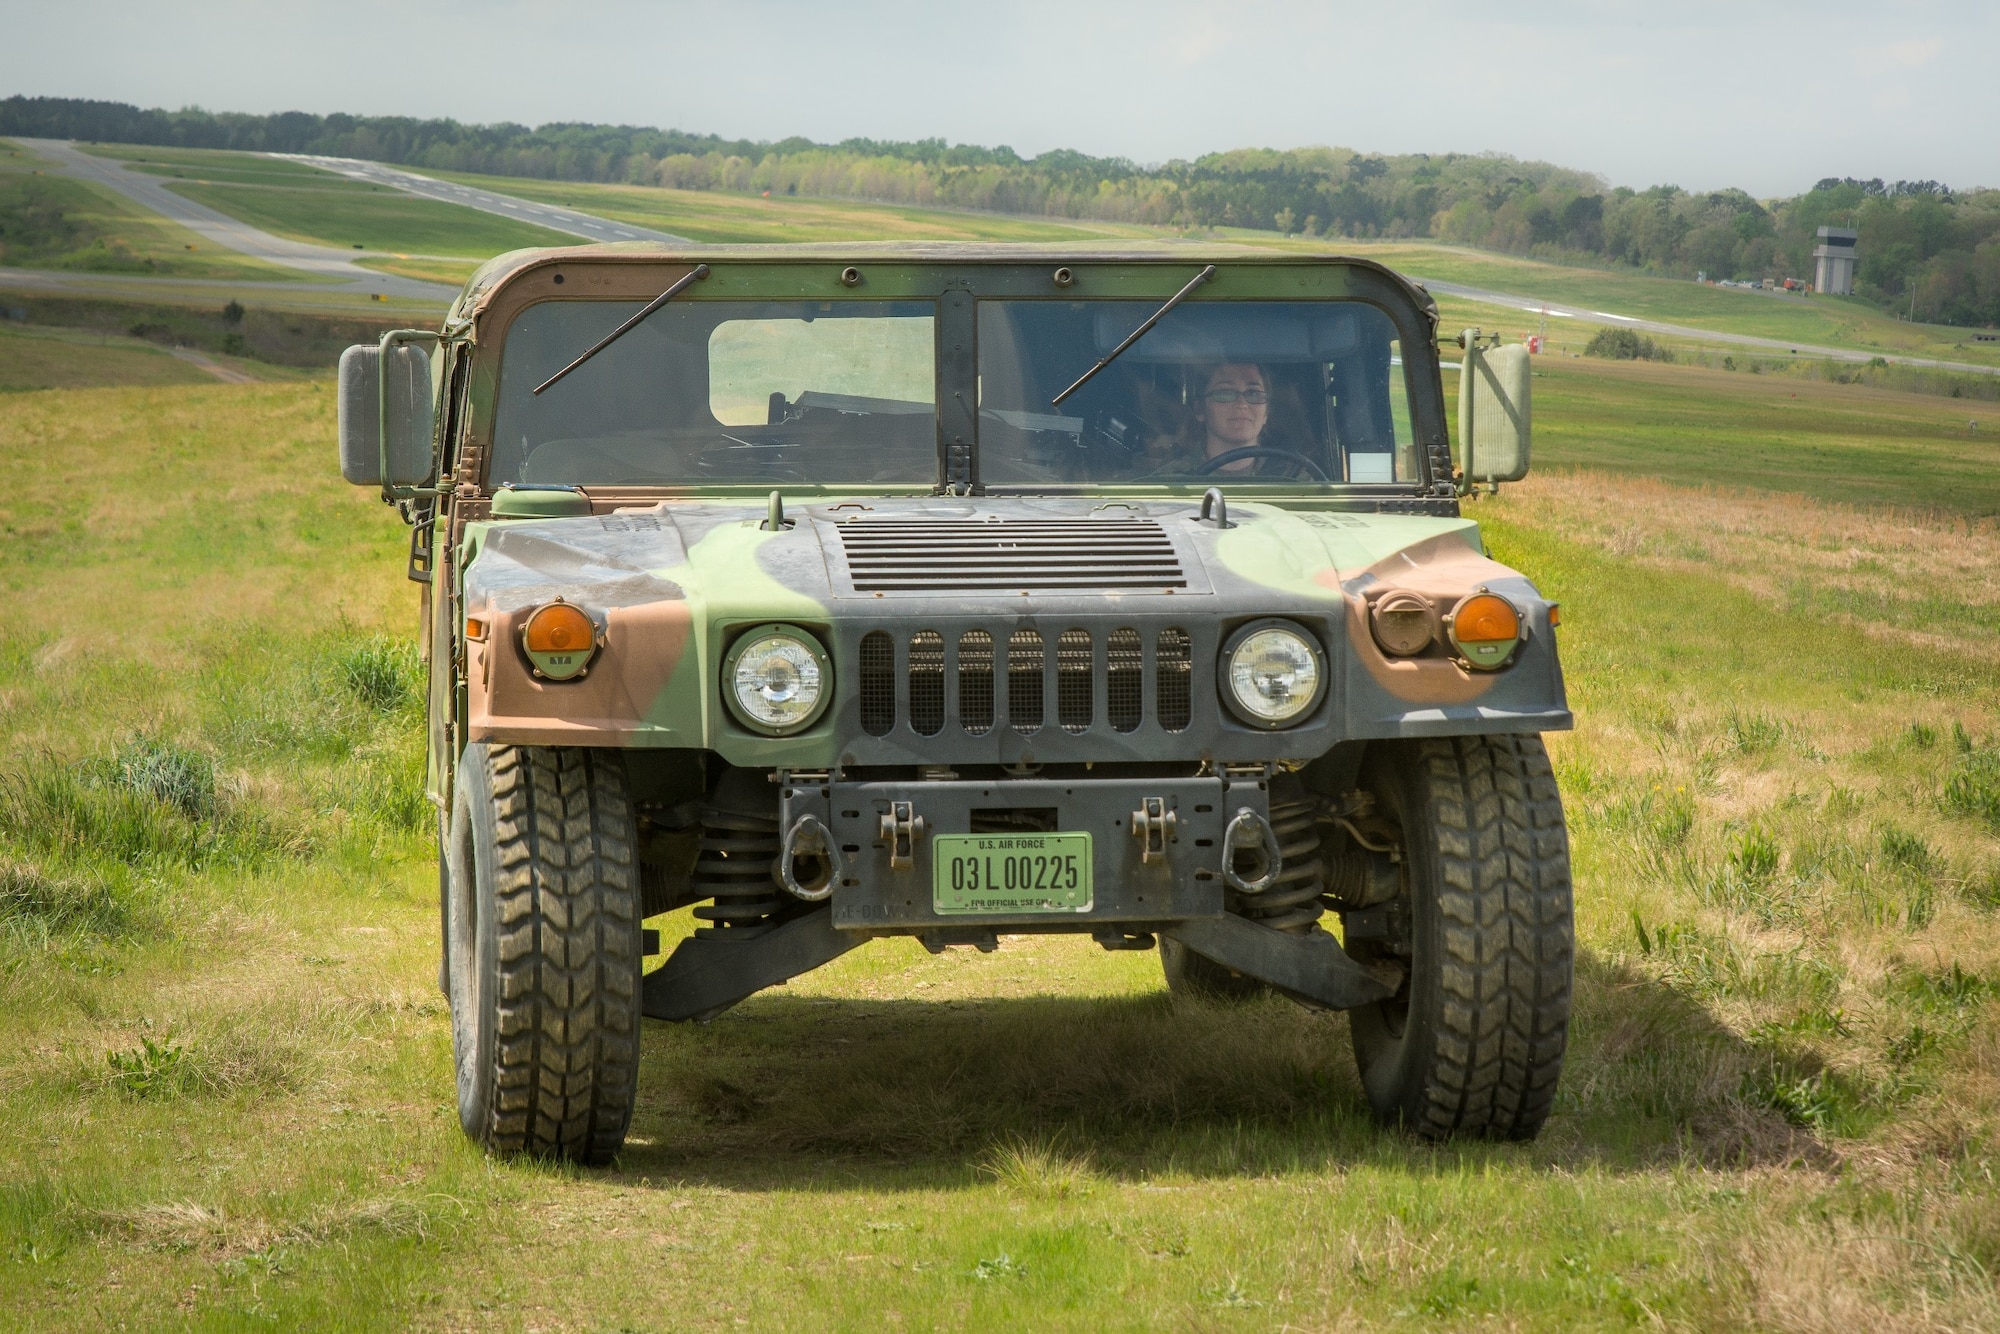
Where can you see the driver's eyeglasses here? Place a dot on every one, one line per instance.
(1255, 397)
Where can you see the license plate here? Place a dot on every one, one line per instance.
(1010, 873)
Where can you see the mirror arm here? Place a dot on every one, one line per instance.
(1468, 369)
(392, 340)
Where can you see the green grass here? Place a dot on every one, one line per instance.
(276, 341)
(307, 204)
(296, 200)
(454, 271)
(225, 1068)
(1827, 321)
(1700, 427)
(49, 221)
(42, 358)
(715, 217)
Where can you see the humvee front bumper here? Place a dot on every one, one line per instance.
(1155, 848)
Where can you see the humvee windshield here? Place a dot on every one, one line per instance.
(1291, 394)
(839, 392)
(1243, 391)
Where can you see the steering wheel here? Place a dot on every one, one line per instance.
(1230, 456)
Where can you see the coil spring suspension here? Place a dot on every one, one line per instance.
(734, 865)
(1292, 904)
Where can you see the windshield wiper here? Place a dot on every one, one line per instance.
(1134, 336)
(681, 284)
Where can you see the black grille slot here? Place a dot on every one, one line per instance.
(951, 681)
(1026, 660)
(1173, 666)
(931, 555)
(878, 683)
(926, 683)
(1073, 686)
(1124, 680)
(975, 682)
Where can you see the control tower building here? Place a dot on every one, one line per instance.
(1833, 261)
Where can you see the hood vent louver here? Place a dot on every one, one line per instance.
(1006, 555)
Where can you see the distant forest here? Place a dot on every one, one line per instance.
(1926, 250)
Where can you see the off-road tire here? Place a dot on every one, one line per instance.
(444, 902)
(544, 951)
(1473, 1044)
(1191, 974)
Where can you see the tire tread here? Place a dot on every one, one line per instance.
(1508, 943)
(567, 898)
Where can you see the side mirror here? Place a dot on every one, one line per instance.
(1495, 423)
(385, 427)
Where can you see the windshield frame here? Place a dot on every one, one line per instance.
(957, 284)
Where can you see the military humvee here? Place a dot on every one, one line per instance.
(962, 592)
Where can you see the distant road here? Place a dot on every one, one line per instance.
(333, 297)
(553, 216)
(150, 192)
(1561, 311)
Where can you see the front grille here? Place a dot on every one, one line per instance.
(1173, 663)
(927, 683)
(1026, 661)
(1073, 694)
(975, 682)
(1124, 680)
(878, 683)
(1003, 555)
(1116, 666)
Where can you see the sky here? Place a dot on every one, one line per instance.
(1767, 95)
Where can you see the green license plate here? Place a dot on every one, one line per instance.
(1010, 873)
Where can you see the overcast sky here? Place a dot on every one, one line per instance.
(1770, 95)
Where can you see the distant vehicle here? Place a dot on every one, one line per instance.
(959, 592)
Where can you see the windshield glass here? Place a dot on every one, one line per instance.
(718, 392)
(1273, 392)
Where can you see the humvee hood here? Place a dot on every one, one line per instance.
(670, 586)
(962, 548)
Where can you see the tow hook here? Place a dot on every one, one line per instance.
(1251, 832)
(901, 829)
(1153, 825)
(808, 841)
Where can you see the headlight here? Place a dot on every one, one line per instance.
(1402, 623)
(776, 679)
(1485, 629)
(1273, 674)
(560, 640)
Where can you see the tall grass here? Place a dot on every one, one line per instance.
(278, 752)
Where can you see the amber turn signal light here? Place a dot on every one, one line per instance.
(559, 628)
(1486, 629)
(475, 629)
(560, 640)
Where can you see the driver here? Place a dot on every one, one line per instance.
(1233, 409)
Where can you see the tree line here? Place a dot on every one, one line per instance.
(1927, 251)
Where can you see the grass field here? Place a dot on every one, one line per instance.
(1841, 322)
(42, 358)
(1697, 426)
(424, 268)
(226, 1069)
(420, 236)
(715, 217)
(307, 204)
(48, 221)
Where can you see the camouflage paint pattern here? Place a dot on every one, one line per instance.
(671, 572)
